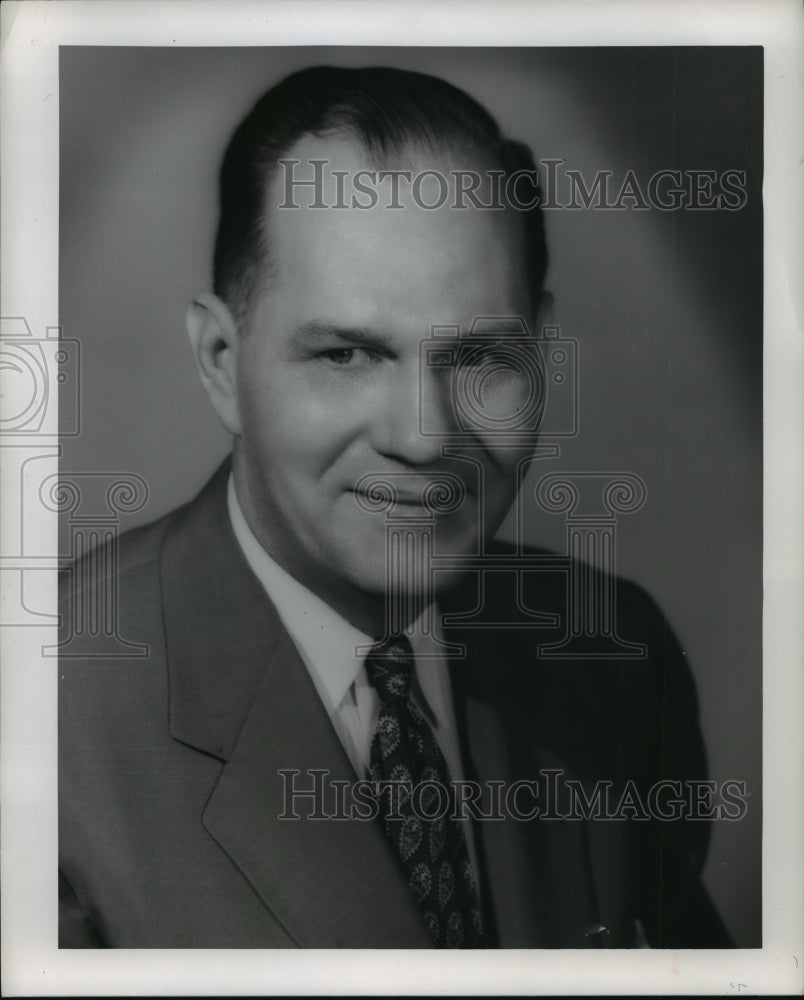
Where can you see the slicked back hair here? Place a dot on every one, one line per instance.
(387, 111)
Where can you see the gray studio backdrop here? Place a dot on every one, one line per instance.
(666, 308)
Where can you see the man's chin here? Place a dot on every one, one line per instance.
(413, 585)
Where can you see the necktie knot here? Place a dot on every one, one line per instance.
(389, 666)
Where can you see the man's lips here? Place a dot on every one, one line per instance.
(406, 498)
(379, 495)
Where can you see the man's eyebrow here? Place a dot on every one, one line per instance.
(317, 330)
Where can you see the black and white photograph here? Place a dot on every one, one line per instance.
(386, 500)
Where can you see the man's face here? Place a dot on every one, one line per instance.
(331, 388)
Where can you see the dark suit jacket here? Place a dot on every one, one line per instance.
(170, 789)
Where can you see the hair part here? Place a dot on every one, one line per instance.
(385, 110)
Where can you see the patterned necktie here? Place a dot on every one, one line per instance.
(432, 851)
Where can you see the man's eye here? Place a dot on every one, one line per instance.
(347, 356)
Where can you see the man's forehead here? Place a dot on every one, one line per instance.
(397, 257)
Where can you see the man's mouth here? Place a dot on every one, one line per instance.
(436, 495)
(378, 495)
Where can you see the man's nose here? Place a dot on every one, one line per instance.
(417, 417)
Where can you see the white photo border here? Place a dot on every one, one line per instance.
(31, 35)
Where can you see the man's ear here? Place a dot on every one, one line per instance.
(214, 339)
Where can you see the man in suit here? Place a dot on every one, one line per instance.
(300, 644)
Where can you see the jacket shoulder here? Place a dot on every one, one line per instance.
(117, 557)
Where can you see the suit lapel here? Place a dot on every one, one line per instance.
(239, 691)
(331, 882)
